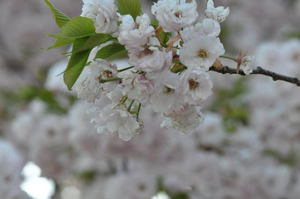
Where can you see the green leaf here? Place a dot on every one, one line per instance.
(61, 42)
(178, 67)
(88, 176)
(292, 35)
(289, 159)
(163, 37)
(110, 52)
(94, 41)
(180, 195)
(78, 27)
(76, 63)
(129, 7)
(60, 18)
(155, 23)
(48, 97)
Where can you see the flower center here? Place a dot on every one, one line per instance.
(178, 14)
(193, 84)
(137, 26)
(168, 90)
(202, 53)
(145, 52)
(107, 74)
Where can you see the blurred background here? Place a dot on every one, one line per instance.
(248, 146)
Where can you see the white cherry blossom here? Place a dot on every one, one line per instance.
(208, 27)
(247, 64)
(217, 13)
(135, 35)
(89, 85)
(196, 86)
(103, 13)
(137, 87)
(118, 120)
(201, 52)
(175, 14)
(151, 60)
(185, 120)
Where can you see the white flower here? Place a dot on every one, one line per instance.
(151, 60)
(217, 13)
(175, 14)
(165, 98)
(103, 13)
(247, 64)
(196, 86)
(185, 121)
(137, 86)
(208, 27)
(134, 35)
(89, 86)
(201, 52)
(109, 118)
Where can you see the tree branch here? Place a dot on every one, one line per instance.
(258, 71)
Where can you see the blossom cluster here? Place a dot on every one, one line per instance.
(168, 75)
(67, 146)
(209, 163)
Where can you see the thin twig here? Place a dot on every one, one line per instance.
(258, 71)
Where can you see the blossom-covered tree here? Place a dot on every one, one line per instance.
(141, 75)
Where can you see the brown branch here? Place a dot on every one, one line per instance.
(258, 71)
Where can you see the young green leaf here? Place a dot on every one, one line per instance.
(61, 42)
(76, 63)
(94, 41)
(110, 52)
(78, 27)
(129, 7)
(60, 18)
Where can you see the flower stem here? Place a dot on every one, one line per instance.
(230, 58)
(124, 69)
(130, 105)
(171, 42)
(123, 100)
(158, 31)
(138, 111)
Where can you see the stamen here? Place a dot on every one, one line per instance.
(193, 84)
(203, 54)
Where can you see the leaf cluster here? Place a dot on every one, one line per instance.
(80, 33)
